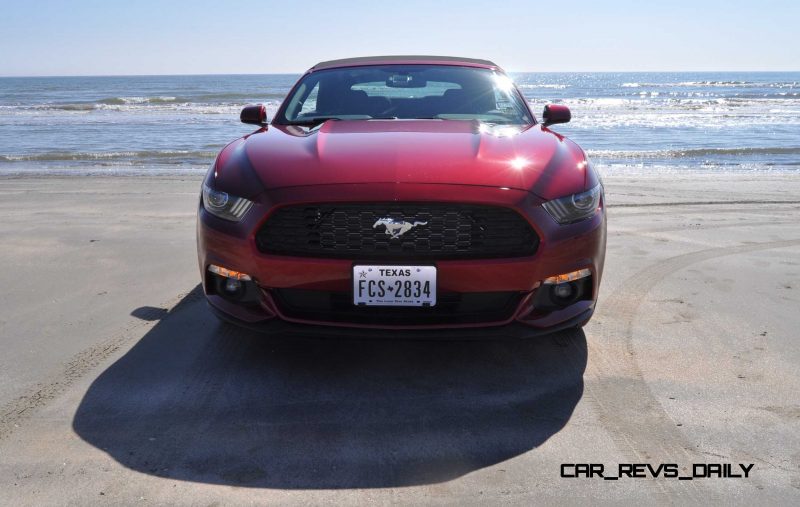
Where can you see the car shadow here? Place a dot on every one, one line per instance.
(197, 400)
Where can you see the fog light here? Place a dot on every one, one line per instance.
(228, 273)
(567, 277)
(232, 285)
(563, 290)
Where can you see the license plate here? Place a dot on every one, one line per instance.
(394, 285)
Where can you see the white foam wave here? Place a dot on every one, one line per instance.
(714, 84)
(695, 153)
(687, 170)
(163, 156)
(550, 86)
(131, 105)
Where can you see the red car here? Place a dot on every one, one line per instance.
(409, 195)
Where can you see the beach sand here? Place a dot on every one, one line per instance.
(117, 385)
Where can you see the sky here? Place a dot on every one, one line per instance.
(111, 37)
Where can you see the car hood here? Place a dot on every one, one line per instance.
(410, 151)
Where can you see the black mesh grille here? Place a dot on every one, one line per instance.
(451, 308)
(443, 231)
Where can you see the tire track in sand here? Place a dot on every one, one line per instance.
(627, 409)
(15, 412)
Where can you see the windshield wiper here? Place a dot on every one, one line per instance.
(313, 122)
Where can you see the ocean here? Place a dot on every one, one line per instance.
(629, 123)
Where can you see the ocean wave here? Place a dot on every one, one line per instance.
(201, 98)
(643, 101)
(714, 84)
(117, 101)
(639, 96)
(103, 170)
(183, 108)
(726, 84)
(162, 156)
(90, 105)
(695, 152)
(718, 83)
(59, 107)
(551, 86)
(739, 84)
(691, 171)
(227, 97)
(154, 105)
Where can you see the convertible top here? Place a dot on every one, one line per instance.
(404, 59)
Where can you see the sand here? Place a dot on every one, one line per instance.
(118, 386)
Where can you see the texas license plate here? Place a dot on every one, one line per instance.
(394, 285)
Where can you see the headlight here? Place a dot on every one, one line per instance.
(224, 205)
(574, 208)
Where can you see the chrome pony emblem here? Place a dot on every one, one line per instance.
(396, 228)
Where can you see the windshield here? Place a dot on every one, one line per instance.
(405, 92)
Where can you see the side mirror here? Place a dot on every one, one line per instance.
(254, 114)
(554, 113)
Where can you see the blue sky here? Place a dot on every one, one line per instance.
(88, 37)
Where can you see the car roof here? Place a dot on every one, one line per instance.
(404, 59)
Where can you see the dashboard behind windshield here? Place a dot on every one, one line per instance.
(405, 92)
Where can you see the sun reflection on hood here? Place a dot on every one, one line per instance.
(501, 130)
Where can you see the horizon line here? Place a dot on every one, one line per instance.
(201, 74)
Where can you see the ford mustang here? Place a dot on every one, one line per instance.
(403, 195)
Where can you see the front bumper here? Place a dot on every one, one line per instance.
(513, 330)
(561, 249)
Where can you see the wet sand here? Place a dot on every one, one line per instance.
(118, 386)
